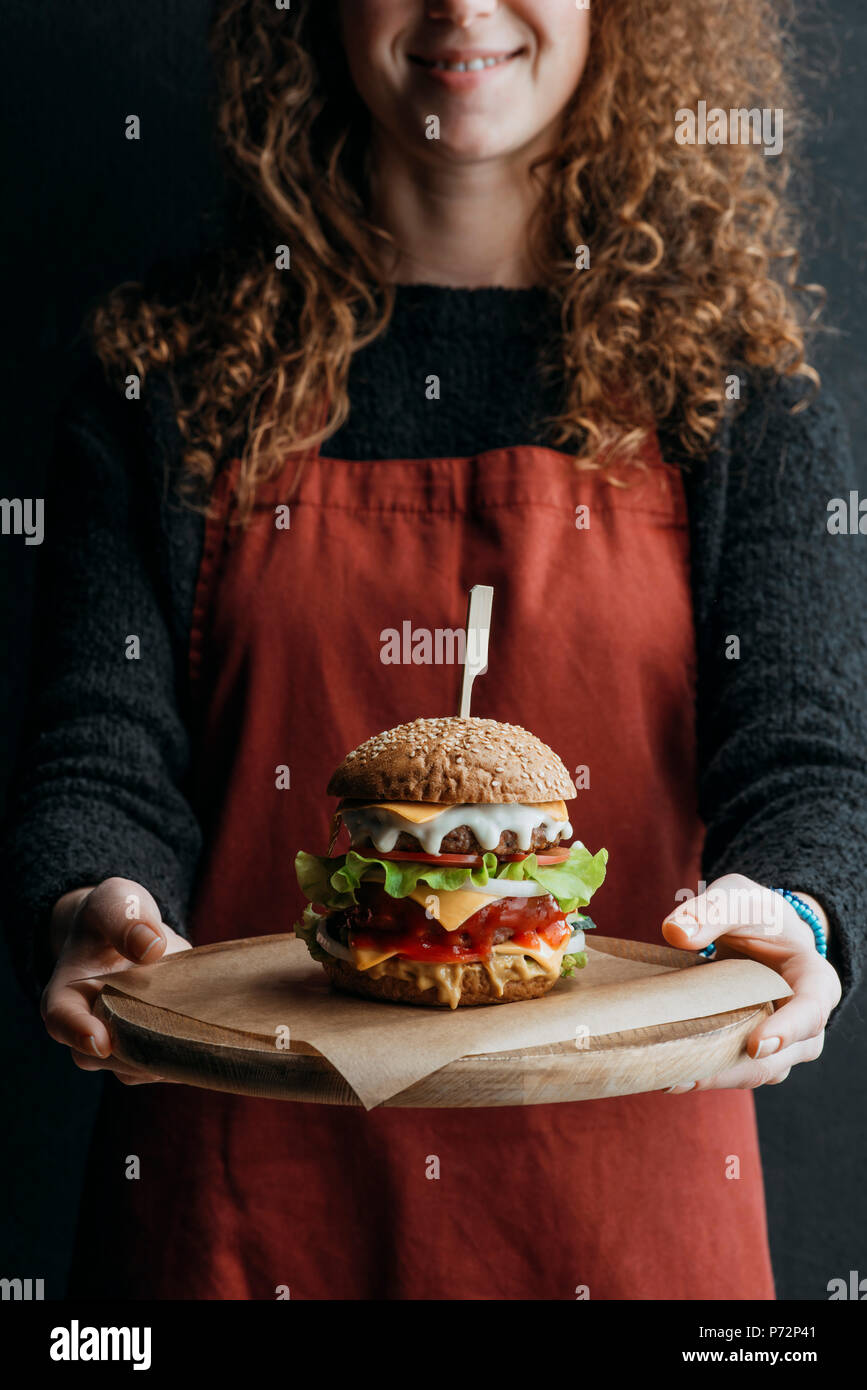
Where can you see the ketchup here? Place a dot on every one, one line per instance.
(382, 923)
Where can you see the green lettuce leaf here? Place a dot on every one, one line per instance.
(574, 882)
(569, 964)
(306, 931)
(314, 879)
(334, 882)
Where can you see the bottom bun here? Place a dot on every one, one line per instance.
(477, 987)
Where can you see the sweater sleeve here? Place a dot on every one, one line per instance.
(98, 789)
(783, 669)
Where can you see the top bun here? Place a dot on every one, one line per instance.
(452, 761)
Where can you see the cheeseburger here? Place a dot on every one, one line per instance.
(456, 888)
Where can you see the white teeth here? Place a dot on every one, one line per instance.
(474, 65)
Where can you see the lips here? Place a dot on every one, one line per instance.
(465, 60)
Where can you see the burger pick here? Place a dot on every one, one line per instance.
(457, 888)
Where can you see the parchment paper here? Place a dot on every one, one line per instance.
(265, 985)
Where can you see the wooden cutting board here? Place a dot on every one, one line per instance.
(646, 1059)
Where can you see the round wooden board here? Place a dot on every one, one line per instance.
(645, 1059)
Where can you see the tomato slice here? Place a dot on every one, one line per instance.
(558, 856)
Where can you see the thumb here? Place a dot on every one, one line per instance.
(732, 906)
(682, 927)
(124, 914)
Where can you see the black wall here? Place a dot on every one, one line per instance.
(84, 209)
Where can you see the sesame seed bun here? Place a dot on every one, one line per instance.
(453, 761)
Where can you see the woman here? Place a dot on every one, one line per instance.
(487, 321)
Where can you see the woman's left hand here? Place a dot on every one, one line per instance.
(755, 921)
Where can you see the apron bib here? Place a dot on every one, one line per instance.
(592, 649)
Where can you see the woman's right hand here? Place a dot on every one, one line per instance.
(95, 931)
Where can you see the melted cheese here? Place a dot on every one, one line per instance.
(429, 824)
(555, 809)
(547, 956)
(507, 963)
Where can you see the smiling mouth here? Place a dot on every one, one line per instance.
(477, 64)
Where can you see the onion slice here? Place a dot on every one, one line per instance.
(334, 948)
(506, 888)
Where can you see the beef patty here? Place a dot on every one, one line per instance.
(461, 840)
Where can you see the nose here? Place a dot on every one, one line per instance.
(462, 13)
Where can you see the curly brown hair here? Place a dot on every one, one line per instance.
(694, 250)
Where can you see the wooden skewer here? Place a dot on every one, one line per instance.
(478, 633)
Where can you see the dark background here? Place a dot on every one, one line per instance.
(84, 209)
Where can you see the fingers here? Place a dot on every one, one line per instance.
(759, 923)
(802, 1017)
(127, 1075)
(816, 987)
(175, 942)
(751, 916)
(681, 927)
(125, 915)
(748, 1075)
(66, 1012)
(117, 921)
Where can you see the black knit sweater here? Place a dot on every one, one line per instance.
(102, 782)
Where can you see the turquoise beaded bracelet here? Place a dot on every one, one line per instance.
(806, 914)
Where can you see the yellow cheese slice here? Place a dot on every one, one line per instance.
(363, 957)
(420, 812)
(450, 909)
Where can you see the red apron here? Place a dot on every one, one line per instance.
(592, 648)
